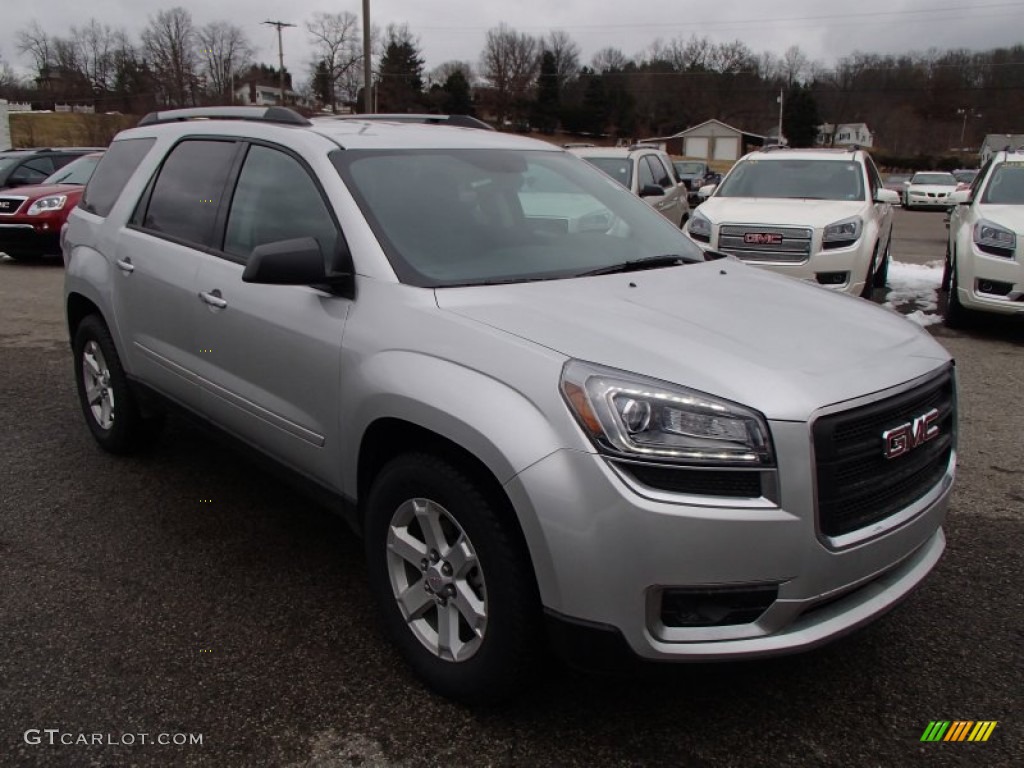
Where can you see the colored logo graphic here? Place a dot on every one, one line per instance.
(959, 730)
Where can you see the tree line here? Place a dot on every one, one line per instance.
(917, 103)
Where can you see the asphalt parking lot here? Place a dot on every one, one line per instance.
(188, 592)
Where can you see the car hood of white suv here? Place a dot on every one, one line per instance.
(1009, 216)
(779, 211)
(763, 340)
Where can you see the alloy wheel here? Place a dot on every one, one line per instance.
(98, 391)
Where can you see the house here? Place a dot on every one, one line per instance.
(995, 142)
(845, 135)
(710, 140)
(256, 94)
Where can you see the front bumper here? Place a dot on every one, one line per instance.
(916, 201)
(990, 283)
(604, 553)
(29, 239)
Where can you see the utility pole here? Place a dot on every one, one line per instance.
(780, 116)
(280, 52)
(367, 75)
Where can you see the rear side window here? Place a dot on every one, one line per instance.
(113, 172)
(188, 191)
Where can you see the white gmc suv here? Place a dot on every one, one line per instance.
(821, 215)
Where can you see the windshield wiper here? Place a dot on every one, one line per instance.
(638, 265)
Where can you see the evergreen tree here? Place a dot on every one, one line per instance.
(458, 100)
(546, 107)
(322, 83)
(800, 116)
(401, 75)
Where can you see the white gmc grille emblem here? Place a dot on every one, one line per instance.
(762, 238)
(906, 437)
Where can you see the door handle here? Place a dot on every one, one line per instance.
(125, 265)
(213, 298)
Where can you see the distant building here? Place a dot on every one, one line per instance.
(710, 140)
(845, 135)
(995, 142)
(5, 126)
(258, 95)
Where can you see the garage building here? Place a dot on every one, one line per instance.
(711, 140)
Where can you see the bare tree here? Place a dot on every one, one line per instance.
(510, 62)
(794, 65)
(335, 38)
(443, 71)
(224, 52)
(169, 45)
(8, 78)
(35, 42)
(566, 53)
(95, 47)
(608, 60)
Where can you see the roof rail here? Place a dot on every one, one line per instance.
(281, 115)
(643, 145)
(774, 147)
(459, 121)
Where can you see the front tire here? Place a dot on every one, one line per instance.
(453, 584)
(882, 269)
(108, 403)
(957, 316)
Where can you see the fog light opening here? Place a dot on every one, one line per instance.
(833, 278)
(715, 606)
(994, 287)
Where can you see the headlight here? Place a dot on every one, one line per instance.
(846, 231)
(700, 227)
(636, 417)
(47, 204)
(994, 239)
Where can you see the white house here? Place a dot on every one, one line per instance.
(5, 126)
(253, 94)
(845, 135)
(995, 142)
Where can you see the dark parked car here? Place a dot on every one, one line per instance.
(695, 174)
(21, 167)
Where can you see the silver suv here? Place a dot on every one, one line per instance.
(551, 417)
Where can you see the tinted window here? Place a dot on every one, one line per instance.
(188, 190)
(113, 172)
(661, 176)
(645, 174)
(32, 172)
(275, 199)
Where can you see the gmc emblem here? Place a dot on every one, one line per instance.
(762, 238)
(5, 205)
(906, 437)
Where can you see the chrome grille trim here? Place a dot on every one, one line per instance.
(795, 247)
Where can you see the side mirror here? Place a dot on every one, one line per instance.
(287, 262)
(651, 190)
(960, 197)
(707, 190)
(887, 196)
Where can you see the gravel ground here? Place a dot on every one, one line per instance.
(188, 592)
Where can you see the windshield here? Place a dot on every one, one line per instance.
(619, 168)
(795, 179)
(77, 172)
(939, 179)
(964, 177)
(7, 163)
(471, 216)
(689, 169)
(1006, 186)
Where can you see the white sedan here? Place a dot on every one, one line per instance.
(985, 252)
(929, 189)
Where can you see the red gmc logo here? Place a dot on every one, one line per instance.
(906, 437)
(762, 238)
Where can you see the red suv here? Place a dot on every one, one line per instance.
(31, 217)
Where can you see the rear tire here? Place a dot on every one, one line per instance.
(432, 531)
(108, 403)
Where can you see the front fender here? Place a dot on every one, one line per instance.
(504, 428)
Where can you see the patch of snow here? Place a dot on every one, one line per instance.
(914, 291)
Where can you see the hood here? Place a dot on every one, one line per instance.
(780, 212)
(1009, 216)
(36, 191)
(770, 342)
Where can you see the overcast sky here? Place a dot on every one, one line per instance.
(455, 29)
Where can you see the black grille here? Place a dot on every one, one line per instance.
(857, 484)
(741, 484)
(10, 205)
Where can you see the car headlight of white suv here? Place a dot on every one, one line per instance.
(995, 240)
(700, 227)
(842, 233)
(635, 417)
